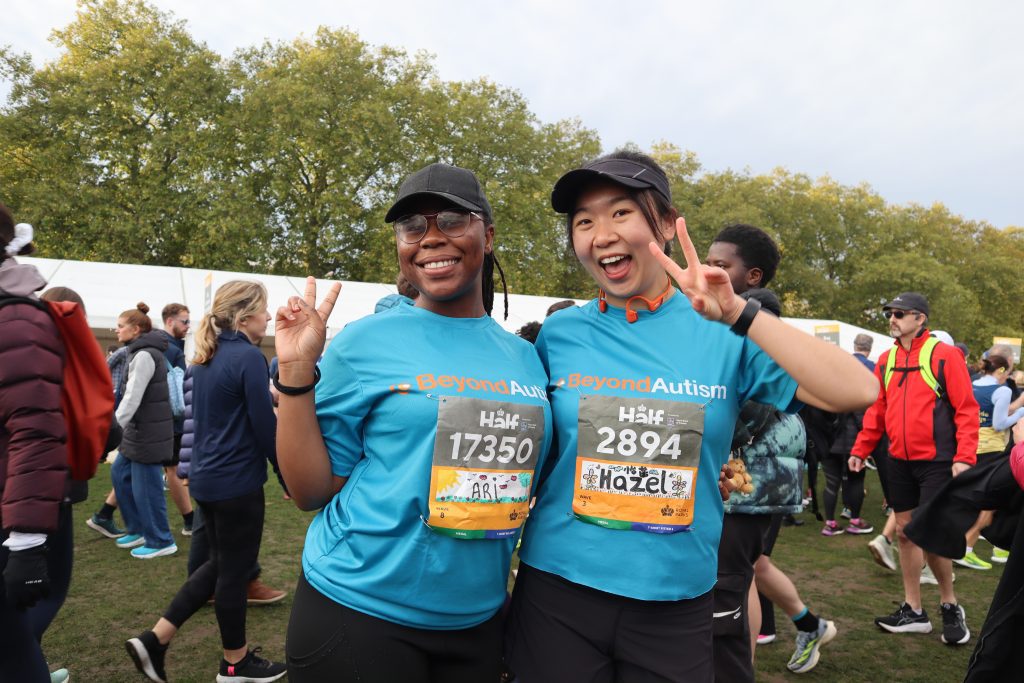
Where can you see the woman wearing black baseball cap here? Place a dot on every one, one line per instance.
(620, 553)
(419, 450)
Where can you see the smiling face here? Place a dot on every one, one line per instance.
(447, 271)
(126, 331)
(611, 236)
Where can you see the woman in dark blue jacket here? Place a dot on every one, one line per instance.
(233, 438)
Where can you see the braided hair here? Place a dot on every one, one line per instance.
(490, 263)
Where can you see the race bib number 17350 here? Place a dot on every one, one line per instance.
(485, 454)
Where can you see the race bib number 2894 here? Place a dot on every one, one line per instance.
(485, 454)
(637, 463)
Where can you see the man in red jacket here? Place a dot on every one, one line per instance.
(926, 407)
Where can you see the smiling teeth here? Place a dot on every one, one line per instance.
(611, 259)
(440, 264)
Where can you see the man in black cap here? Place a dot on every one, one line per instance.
(926, 406)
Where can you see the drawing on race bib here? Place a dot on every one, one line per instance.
(631, 480)
(473, 487)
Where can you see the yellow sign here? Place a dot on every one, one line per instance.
(1013, 342)
(829, 333)
(208, 293)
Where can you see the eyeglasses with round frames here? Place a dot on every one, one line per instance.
(411, 229)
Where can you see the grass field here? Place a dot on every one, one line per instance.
(114, 596)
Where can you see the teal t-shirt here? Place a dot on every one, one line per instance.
(637, 407)
(438, 423)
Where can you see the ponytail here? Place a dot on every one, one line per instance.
(206, 339)
(234, 302)
(993, 363)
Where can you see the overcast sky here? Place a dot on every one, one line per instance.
(922, 100)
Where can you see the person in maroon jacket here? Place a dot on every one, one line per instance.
(33, 458)
(926, 406)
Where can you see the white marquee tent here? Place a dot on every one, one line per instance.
(110, 288)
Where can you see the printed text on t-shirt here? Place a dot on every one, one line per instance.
(681, 387)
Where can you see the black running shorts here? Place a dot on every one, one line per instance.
(913, 482)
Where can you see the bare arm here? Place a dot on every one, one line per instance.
(827, 376)
(300, 334)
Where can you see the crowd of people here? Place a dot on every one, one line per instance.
(641, 452)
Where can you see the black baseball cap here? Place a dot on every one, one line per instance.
(627, 172)
(909, 301)
(457, 185)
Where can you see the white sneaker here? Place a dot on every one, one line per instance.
(928, 577)
(883, 552)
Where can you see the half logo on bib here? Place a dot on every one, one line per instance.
(637, 462)
(485, 454)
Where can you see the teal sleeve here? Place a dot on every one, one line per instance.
(762, 380)
(341, 409)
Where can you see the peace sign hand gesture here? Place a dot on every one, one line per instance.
(300, 330)
(708, 288)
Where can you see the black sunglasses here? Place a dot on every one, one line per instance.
(898, 314)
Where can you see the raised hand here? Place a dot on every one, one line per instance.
(300, 327)
(708, 288)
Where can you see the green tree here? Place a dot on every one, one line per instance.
(105, 148)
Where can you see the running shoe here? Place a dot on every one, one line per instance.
(859, 525)
(882, 550)
(954, 625)
(1000, 556)
(831, 528)
(928, 577)
(105, 526)
(130, 541)
(972, 561)
(808, 646)
(148, 655)
(147, 553)
(765, 638)
(60, 676)
(186, 530)
(259, 593)
(252, 669)
(905, 620)
(846, 514)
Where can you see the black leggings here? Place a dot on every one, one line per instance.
(234, 528)
(561, 631)
(839, 475)
(330, 642)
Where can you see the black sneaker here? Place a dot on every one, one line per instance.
(954, 625)
(903, 620)
(148, 655)
(252, 669)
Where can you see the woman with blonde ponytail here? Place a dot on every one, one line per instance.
(234, 432)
